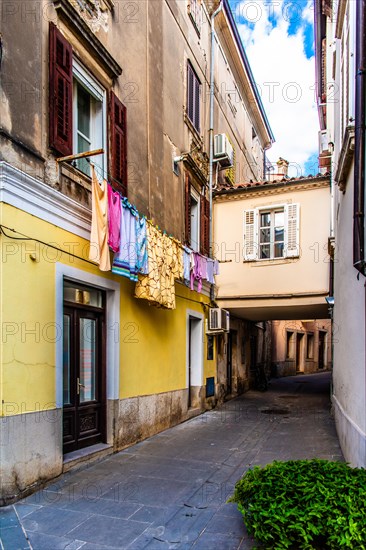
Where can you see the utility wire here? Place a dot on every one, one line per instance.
(27, 238)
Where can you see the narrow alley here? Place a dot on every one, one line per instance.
(170, 490)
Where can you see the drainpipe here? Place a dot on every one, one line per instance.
(360, 142)
(211, 130)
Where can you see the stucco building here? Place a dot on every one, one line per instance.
(301, 347)
(341, 57)
(86, 367)
(276, 267)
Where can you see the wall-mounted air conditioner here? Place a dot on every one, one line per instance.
(223, 150)
(323, 141)
(218, 320)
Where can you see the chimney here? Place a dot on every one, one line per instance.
(282, 167)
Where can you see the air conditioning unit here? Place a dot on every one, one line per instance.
(218, 320)
(223, 150)
(323, 141)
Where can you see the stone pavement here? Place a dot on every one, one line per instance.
(170, 491)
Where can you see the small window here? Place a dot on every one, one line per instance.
(195, 13)
(310, 346)
(210, 347)
(289, 344)
(195, 221)
(80, 294)
(271, 234)
(193, 97)
(89, 116)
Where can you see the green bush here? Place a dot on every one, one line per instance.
(304, 505)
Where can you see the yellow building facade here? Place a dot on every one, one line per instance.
(87, 368)
(155, 360)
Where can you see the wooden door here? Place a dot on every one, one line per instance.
(83, 377)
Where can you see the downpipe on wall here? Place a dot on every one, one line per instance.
(211, 136)
(211, 130)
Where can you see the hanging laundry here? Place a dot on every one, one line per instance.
(148, 286)
(114, 219)
(99, 250)
(142, 263)
(216, 268)
(125, 261)
(211, 270)
(199, 271)
(172, 269)
(165, 260)
(188, 263)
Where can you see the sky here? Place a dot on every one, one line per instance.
(278, 39)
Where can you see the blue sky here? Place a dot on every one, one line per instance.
(279, 42)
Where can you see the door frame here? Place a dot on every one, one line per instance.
(197, 374)
(96, 406)
(112, 344)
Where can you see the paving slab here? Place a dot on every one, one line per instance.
(171, 491)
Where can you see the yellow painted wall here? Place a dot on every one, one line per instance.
(152, 340)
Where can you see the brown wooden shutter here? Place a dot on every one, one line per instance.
(60, 92)
(193, 97)
(205, 226)
(118, 143)
(190, 93)
(196, 119)
(187, 227)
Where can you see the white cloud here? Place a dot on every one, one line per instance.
(285, 78)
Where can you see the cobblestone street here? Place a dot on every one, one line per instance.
(170, 491)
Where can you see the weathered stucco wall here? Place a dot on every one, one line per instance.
(349, 378)
(261, 282)
(307, 360)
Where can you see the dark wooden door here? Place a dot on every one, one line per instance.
(83, 377)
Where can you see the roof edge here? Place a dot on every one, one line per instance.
(271, 185)
(247, 67)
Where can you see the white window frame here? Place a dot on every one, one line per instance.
(251, 232)
(272, 211)
(196, 197)
(98, 139)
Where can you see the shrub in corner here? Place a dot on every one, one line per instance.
(304, 505)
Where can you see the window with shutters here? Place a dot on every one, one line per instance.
(272, 233)
(193, 97)
(197, 219)
(80, 111)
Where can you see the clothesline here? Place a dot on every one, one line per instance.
(101, 172)
(143, 253)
